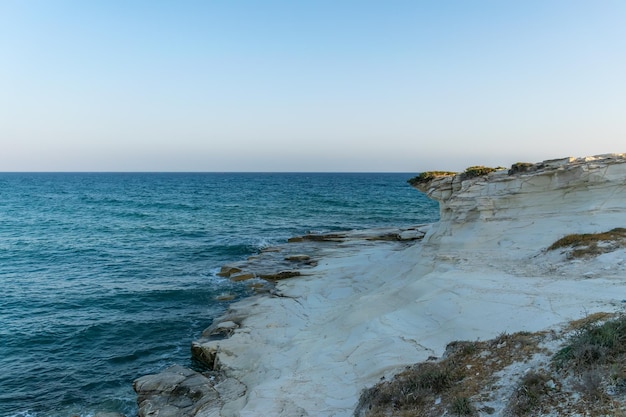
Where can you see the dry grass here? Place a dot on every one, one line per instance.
(591, 244)
(588, 320)
(431, 389)
(527, 397)
(462, 406)
(595, 343)
(585, 377)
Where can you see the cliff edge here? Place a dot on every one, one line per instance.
(525, 207)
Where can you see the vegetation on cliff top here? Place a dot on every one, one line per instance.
(520, 167)
(448, 385)
(591, 244)
(477, 171)
(470, 172)
(581, 371)
(429, 176)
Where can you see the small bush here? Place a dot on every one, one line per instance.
(617, 377)
(528, 395)
(594, 344)
(462, 406)
(433, 377)
(429, 176)
(410, 389)
(520, 167)
(477, 171)
(469, 348)
(590, 385)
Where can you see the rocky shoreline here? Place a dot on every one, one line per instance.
(304, 252)
(179, 391)
(362, 308)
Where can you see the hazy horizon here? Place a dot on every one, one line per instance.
(278, 86)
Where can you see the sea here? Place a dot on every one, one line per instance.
(106, 277)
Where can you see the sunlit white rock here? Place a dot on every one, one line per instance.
(480, 271)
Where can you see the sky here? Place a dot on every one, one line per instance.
(339, 86)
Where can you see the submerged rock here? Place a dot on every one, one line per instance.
(242, 276)
(228, 270)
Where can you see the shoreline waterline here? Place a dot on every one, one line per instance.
(110, 277)
(353, 252)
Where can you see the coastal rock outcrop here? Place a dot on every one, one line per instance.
(527, 206)
(302, 252)
(182, 392)
(311, 344)
(179, 391)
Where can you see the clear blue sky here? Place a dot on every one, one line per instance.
(123, 85)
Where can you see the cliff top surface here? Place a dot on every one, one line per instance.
(428, 180)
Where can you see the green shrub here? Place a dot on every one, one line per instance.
(429, 176)
(477, 171)
(410, 389)
(433, 377)
(594, 344)
(520, 167)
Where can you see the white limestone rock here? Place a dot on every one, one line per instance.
(526, 211)
(480, 271)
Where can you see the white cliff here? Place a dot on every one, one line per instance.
(529, 209)
(483, 269)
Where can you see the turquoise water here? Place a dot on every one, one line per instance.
(107, 277)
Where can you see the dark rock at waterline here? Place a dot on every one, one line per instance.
(244, 276)
(175, 392)
(277, 276)
(326, 237)
(181, 392)
(228, 270)
(178, 392)
(303, 252)
(300, 257)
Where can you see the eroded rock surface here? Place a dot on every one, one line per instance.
(526, 208)
(181, 392)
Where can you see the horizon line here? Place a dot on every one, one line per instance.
(209, 172)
